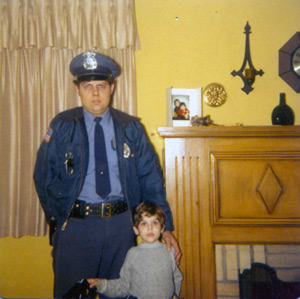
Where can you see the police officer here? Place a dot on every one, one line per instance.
(94, 166)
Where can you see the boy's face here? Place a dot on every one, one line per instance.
(149, 229)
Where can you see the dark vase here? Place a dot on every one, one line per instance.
(283, 114)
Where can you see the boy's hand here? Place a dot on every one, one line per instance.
(94, 282)
(171, 241)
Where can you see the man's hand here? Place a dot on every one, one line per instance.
(171, 241)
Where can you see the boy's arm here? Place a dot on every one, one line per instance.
(177, 276)
(110, 288)
(177, 281)
(114, 287)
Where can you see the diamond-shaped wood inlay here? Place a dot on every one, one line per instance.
(269, 189)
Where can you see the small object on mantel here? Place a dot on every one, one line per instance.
(283, 114)
(201, 121)
(198, 121)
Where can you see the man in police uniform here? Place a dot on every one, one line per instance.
(91, 212)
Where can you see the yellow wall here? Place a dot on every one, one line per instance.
(25, 268)
(204, 45)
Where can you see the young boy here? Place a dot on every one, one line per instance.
(149, 270)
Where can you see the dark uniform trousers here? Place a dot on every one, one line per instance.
(90, 248)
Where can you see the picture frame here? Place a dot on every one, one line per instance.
(182, 105)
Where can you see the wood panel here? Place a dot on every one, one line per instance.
(230, 185)
(255, 187)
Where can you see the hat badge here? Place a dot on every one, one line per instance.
(90, 62)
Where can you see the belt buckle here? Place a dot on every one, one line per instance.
(103, 212)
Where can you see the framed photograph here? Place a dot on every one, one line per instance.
(182, 105)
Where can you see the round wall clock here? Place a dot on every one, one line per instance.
(289, 62)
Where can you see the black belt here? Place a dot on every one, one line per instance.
(82, 209)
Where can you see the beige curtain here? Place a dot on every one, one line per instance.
(38, 39)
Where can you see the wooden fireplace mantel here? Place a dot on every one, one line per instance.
(230, 185)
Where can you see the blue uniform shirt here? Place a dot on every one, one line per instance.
(88, 192)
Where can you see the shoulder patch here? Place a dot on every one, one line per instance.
(48, 135)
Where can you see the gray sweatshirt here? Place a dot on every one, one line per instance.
(149, 272)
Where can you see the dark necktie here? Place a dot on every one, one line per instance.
(101, 164)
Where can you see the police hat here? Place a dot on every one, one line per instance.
(93, 66)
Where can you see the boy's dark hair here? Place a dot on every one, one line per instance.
(148, 209)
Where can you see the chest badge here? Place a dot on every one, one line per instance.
(126, 150)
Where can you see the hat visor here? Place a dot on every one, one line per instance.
(93, 77)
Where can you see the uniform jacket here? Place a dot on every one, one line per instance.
(58, 189)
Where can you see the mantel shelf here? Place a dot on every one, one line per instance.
(230, 131)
